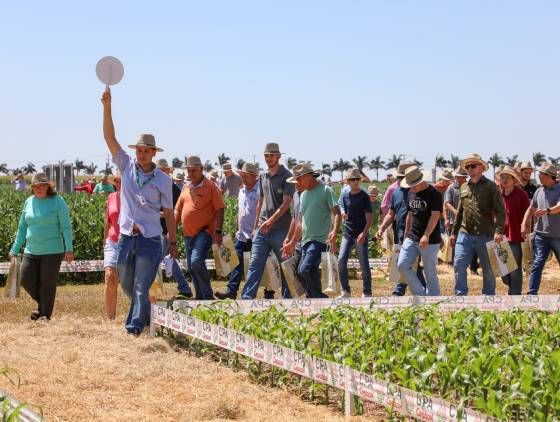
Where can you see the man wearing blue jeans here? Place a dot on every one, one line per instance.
(480, 218)
(246, 213)
(356, 213)
(545, 208)
(272, 222)
(201, 210)
(317, 208)
(145, 190)
(422, 233)
(184, 291)
(397, 214)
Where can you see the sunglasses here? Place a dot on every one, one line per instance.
(471, 166)
(353, 180)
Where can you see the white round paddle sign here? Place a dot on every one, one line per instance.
(109, 70)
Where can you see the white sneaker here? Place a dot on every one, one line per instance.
(345, 293)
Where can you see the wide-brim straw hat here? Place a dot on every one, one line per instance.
(526, 165)
(402, 168)
(301, 170)
(249, 168)
(214, 173)
(163, 164)
(146, 140)
(412, 176)
(179, 176)
(353, 174)
(447, 174)
(548, 168)
(40, 179)
(474, 158)
(272, 148)
(508, 170)
(373, 190)
(227, 166)
(193, 160)
(460, 172)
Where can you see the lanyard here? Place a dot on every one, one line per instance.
(138, 183)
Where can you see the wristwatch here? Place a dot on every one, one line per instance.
(548, 211)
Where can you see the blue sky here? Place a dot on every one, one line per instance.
(325, 79)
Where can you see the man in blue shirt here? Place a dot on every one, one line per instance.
(145, 190)
(247, 200)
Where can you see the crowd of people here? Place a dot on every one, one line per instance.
(287, 214)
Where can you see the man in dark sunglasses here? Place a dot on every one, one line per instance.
(480, 218)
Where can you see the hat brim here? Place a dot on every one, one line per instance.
(474, 160)
(550, 173)
(248, 172)
(405, 184)
(272, 153)
(158, 149)
(293, 179)
(511, 173)
(460, 175)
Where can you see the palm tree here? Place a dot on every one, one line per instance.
(291, 162)
(4, 168)
(554, 161)
(495, 161)
(393, 162)
(417, 162)
(376, 164)
(29, 168)
(239, 163)
(510, 161)
(441, 162)
(79, 166)
(208, 167)
(454, 161)
(177, 162)
(258, 165)
(538, 159)
(326, 169)
(222, 159)
(360, 162)
(90, 169)
(341, 165)
(108, 168)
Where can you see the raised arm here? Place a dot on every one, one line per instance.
(108, 127)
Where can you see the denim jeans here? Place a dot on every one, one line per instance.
(362, 252)
(309, 268)
(465, 246)
(542, 246)
(514, 280)
(197, 248)
(400, 288)
(409, 251)
(237, 273)
(262, 245)
(177, 274)
(138, 264)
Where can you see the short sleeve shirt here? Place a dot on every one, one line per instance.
(104, 188)
(246, 212)
(197, 207)
(356, 206)
(316, 213)
(547, 225)
(143, 195)
(421, 205)
(231, 185)
(273, 189)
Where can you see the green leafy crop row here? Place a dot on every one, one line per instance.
(505, 364)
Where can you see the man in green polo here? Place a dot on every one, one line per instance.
(480, 218)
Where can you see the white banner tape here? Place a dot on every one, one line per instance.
(445, 303)
(402, 400)
(97, 266)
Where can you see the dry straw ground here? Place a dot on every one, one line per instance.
(82, 367)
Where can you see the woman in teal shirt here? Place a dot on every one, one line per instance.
(44, 227)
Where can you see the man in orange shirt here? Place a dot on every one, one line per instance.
(201, 210)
